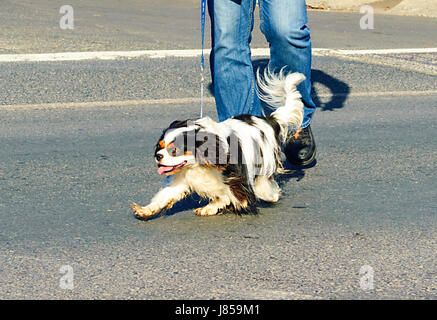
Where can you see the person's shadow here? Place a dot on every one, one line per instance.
(339, 89)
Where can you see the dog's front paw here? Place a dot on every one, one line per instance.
(206, 211)
(144, 212)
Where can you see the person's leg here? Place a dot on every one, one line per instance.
(283, 23)
(231, 65)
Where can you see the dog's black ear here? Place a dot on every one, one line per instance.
(181, 124)
(176, 124)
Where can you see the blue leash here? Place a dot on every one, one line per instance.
(202, 59)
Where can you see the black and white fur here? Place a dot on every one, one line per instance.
(243, 153)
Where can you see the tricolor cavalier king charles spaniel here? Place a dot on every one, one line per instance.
(231, 163)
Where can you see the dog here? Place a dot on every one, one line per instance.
(231, 163)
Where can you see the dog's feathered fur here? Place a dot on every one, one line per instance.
(231, 163)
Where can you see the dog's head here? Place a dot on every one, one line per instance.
(189, 143)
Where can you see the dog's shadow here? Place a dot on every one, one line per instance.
(191, 202)
(293, 172)
(194, 201)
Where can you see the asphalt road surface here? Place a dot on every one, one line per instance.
(77, 143)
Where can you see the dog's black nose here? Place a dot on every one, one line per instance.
(158, 156)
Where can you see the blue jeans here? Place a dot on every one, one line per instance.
(283, 23)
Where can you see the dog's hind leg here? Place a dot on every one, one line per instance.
(266, 189)
(213, 207)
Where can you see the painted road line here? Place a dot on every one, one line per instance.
(146, 102)
(384, 51)
(190, 53)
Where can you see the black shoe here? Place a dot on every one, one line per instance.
(300, 148)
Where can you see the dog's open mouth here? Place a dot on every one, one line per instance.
(168, 170)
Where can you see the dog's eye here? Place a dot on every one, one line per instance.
(173, 150)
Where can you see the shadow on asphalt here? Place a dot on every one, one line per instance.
(193, 201)
(339, 89)
(293, 172)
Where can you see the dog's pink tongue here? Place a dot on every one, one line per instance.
(164, 169)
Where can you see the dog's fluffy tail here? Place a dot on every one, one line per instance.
(279, 91)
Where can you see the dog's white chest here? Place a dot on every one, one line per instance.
(207, 182)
